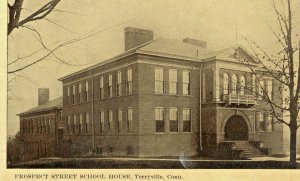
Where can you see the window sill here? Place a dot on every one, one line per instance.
(125, 133)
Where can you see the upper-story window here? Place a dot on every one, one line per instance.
(159, 119)
(173, 119)
(129, 120)
(86, 91)
(101, 88)
(79, 92)
(253, 84)
(73, 94)
(101, 117)
(233, 84)
(119, 120)
(225, 84)
(109, 88)
(69, 94)
(186, 83)
(159, 80)
(48, 125)
(38, 125)
(173, 81)
(119, 83)
(242, 85)
(269, 89)
(129, 81)
(261, 86)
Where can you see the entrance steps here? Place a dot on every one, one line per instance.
(249, 149)
(246, 149)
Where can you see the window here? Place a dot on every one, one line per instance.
(80, 123)
(110, 150)
(79, 92)
(260, 89)
(233, 84)
(261, 125)
(119, 83)
(269, 89)
(242, 85)
(186, 83)
(45, 125)
(101, 88)
(253, 85)
(40, 126)
(101, 117)
(69, 94)
(129, 120)
(110, 121)
(74, 123)
(109, 86)
(86, 91)
(159, 81)
(173, 120)
(48, 125)
(173, 81)
(87, 122)
(61, 116)
(98, 150)
(159, 119)
(119, 120)
(270, 123)
(225, 84)
(73, 94)
(68, 124)
(129, 81)
(31, 126)
(186, 120)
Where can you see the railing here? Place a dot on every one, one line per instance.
(239, 99)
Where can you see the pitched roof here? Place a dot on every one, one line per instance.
(53, 104)
(175, 49)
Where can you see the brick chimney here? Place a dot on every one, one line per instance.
(200, 43)
(43, 96)
(135, 37)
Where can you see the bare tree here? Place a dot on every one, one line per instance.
(16, 9)
(284, 68)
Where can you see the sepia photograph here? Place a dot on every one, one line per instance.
(149, 84)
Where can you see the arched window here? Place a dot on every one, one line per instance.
(233, 83)
(242, 85)
(225, 84)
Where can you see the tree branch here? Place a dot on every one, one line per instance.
(15, 12)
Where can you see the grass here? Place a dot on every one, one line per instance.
(107, 163)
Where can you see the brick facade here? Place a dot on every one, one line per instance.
(163, 98)
(39, 132)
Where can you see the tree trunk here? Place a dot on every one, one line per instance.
(293, 140)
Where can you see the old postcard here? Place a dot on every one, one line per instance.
(150, 90)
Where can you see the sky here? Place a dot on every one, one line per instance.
(220, 23)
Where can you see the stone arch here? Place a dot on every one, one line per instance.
(232, 113)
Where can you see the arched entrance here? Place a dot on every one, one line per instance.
(236, 128)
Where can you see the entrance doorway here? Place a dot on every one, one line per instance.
(236, 128)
